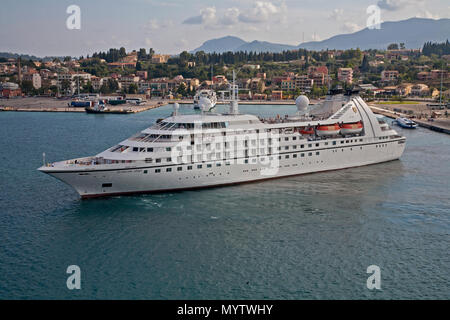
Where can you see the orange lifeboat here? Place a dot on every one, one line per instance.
(307, 131)
(351, 128)
(328, 130)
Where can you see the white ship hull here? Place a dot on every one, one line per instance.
(110, 182)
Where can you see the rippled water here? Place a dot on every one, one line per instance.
(304, 237)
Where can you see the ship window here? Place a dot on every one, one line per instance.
(106, 185)
(294, 147)
(334, 143)
(148, 160)
(246, 161)
(218, 164)
(227, 163)
(294, 138)
(179, 168)
(168, 149)
(347, 141)
(317, 144)
(145, 171)
(157, 170)
(158, 160)
(342, 141)
(189, 167)
(199, 166)
(287, 156)
(149, 149)
(286, 139)
(135, 149)
(317, 153)
(302, 146)
(309, 154)
(209, 165)
(303, 154)
(169, 159)
(294, 156)
(169, 169)
(286, 148)
(309, 145)
(279, 157)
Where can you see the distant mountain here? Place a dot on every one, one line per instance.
(413, 32)
(224, 44)
(264, 46)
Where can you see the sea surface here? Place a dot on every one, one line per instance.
(303, 237)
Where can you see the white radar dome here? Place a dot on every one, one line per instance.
(302, 103)
(205, 104)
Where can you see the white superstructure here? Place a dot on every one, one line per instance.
(208, 149)
(209, 94)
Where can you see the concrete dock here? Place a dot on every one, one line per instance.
(61, 105)
(439, 125)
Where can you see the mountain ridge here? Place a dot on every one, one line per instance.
(414, 32)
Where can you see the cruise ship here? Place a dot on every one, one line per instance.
(185, 152)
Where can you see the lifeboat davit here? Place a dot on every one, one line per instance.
(351, 128)
(328, 130)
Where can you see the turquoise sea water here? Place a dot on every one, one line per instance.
(304, 237)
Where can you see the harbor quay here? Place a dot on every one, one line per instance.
(46, 104)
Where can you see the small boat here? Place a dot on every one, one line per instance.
(406, 123)
(351, 128)
(328, 130)
(307, 131)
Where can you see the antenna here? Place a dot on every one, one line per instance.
(440, 93)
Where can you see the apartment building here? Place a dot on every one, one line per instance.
(345, 75)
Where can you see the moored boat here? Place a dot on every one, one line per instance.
(406, 123)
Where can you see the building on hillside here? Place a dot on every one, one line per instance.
(277, 95)
(345, 75)
(34, 78)
(9, 90)
(160, 58)
(288, 84)
(142, 75)
(420, 90)
(389, 75)
(305, 83)
(404, 89)
(128, 80)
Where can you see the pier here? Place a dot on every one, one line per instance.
(438, 125)
(61, 105)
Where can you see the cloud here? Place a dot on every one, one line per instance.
(207, 15)
(230, 17)
(350, 27)
(394, 5)
(336, 14)
(261, 12)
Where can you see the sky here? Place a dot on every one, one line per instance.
(39, 27)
